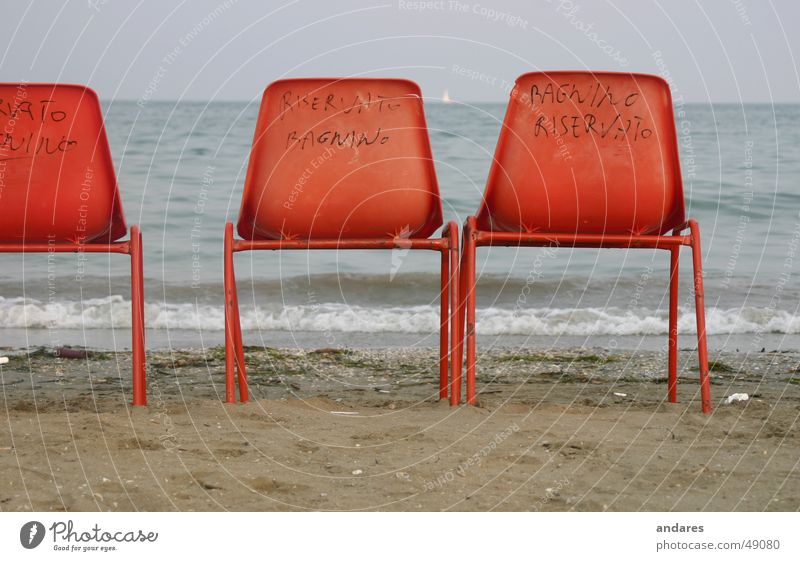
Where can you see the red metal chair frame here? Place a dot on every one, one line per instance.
(447, 245)
(474, 238)
(132, 247)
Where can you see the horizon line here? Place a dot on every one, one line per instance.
(430, 100)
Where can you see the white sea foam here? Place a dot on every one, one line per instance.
(114, 311)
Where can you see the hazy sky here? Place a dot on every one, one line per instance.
(718, 50)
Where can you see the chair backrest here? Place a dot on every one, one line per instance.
(337, 158)
(57, 180)
(586, 152)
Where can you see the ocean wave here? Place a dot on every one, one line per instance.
(114, 311)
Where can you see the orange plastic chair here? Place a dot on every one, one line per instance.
(339, 163)
(58, 189)
(585, 159)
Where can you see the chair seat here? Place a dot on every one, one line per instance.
(340, 159)
(59, 183)
(585, 152)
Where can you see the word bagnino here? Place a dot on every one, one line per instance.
(336, 138)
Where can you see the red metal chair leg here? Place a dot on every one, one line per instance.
(470, 258)
(702, 349)
(458, 344)
(137, 318)
(230, 316)
(672, 387)
(241, 368)
(455, 346)
(444, 320)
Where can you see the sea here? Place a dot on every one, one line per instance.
(181, 166)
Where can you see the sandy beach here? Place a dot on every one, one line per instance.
(336, 429)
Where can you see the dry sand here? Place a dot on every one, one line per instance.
(363, 430)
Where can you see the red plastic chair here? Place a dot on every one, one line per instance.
(339, 163)
(58, 189)
(585, 159)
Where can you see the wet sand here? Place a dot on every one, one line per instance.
(337, 429)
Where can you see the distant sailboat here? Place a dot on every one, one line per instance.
(446, 97)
